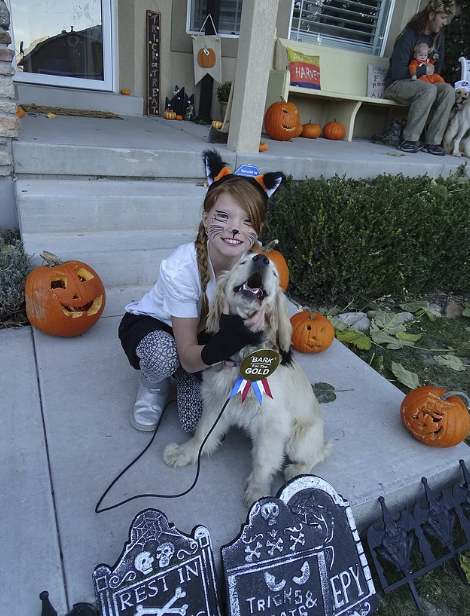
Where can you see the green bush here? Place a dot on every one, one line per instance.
(349, 240)
(15, 266)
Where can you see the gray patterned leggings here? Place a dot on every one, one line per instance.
(158, 360)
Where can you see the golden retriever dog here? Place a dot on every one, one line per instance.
(289, 424)
(459, 124)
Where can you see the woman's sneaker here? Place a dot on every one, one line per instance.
(409, 146)
(437, 150)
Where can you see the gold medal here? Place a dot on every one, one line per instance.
(259, 365)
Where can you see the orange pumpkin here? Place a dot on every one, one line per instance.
(263, 146)
(63, 299)
(169, 114)
(125, 92)
(282, 121)
(311, 131)
(206, 57)
(276, 257)
(334, 130)
(436, 417)
(20, 112)
(217, 124)
(311, 332)
(179, 117)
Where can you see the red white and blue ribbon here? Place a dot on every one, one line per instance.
(243, 386)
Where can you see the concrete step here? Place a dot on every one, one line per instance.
(120, 258)
(72, 98)
(59, 205)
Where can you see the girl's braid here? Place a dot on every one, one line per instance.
(204, 272)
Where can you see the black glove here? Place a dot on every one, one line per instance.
(232, 336)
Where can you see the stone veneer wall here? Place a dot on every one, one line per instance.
(10, 124)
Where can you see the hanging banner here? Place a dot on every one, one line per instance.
(153, 63)
(207, 57)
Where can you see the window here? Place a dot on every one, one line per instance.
(349, 24)
(229, 17)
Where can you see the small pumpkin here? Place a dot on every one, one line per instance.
(179, 117)
(334, 130)
(436, 417)
(276, 257)
(311, 131)
(217, 124)
(263, 146)
(20, 112)
(311, 332)
(206, 57)
(169, 114)
(63, 299)
(125, 91)
(282, 121)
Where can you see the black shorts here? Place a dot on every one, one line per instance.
(133, 329)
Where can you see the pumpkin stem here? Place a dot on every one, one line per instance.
(51, 259)
(310, 312)
(456, 393)
(270, 245)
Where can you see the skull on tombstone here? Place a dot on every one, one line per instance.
(143, 562)
(164, 553)
(270, 511)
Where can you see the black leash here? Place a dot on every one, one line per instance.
(127, 500)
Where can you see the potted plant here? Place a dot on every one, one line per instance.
(223, 93)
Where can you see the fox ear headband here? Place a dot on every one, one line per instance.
(217, 172)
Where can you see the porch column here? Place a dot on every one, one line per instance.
(254, 60)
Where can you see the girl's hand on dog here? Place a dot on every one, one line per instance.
(232, 336)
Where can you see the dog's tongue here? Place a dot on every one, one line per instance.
(253, 284)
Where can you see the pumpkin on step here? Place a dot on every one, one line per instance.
(282, 121)
(311, 332)
(276, 257)
(169, 114)
(125, 91)
(436, 417)
(311, 131)
(334, 130)
(63, 299)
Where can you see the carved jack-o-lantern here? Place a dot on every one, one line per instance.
(436, 417)
(63, 299)
(282, 121)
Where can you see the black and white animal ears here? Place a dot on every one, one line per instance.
(217, 170)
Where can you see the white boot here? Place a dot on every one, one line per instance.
(149, 403)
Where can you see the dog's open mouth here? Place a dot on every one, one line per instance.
(252, 287)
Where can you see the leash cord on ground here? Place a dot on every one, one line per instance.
(193, 485)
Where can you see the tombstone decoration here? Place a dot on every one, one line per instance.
(160, 572)
(299, 555)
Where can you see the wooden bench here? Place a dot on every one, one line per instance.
(343, 80)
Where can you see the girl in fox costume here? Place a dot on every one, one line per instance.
(162, 334)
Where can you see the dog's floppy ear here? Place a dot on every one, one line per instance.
(284, 327)
(217, 305)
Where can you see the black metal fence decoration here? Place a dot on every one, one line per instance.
(160, 572)
(429, 530)
(299, 554)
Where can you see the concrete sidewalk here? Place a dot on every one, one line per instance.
(64, 407)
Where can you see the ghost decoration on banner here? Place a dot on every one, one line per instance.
(207, 57)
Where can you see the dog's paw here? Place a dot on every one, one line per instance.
(177, 455)
(254, 493)
(457, 154)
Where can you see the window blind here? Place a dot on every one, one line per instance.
(229, 16)
(357, 25)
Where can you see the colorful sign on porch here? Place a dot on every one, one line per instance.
(304, 70)
(153, 63)
(207, 57)
(160, 572)
(299, 555)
